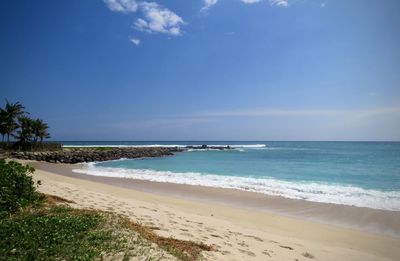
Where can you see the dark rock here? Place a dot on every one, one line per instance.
(88, 155)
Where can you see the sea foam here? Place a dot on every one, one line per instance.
(311, 191)
(168, 146)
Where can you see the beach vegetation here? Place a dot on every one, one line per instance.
(59, 232)
(36, 226)
(28, 133)
(62, 233)
(3, 121)
(10, 113)
(17, 188)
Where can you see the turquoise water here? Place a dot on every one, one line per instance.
(363, 174)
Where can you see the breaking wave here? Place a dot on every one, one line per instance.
(311, 191)
(167, 146)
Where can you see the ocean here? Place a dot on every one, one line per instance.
(363, 174)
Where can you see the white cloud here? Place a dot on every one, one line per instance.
(281, 3)
(158, 19)
(135, 41)
(208, 4)
(123, 6)
(250, 1)
(260, 112)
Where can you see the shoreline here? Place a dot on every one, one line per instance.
(380, 222)
(235, 233)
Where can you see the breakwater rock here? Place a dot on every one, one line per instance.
(208, 147)
(72, 156)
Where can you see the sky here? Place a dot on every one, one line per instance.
(205, 69)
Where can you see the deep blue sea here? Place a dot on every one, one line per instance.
(365, 174)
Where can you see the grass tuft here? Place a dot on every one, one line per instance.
(55, 231)
(182, 249)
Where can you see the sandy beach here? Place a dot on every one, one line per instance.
(241, 226)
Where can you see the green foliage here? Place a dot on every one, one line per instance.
(39, 146)
(15, 122)
(3, 123)
(17, 188)
(9, 116)
(58, 233)
(25, 134)
(40, 130)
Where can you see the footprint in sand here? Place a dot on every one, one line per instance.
(186, 234)
(243, 244)
(255, 238)
(267, 253)
(209, 229)
(247, 252)
(287, 247)
(308, 255)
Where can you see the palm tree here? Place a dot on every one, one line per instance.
(3, 121)
(12, 112)
(25, 134)
(40, 130)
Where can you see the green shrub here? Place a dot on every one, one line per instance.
(54, 234)
(31, 146)
(17, 188)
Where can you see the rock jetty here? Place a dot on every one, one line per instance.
(207, 147)
(72, 156)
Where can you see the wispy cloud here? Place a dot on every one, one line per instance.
(167, 122)
(158, 19)
(250, 1)
(259, 112)
(281, 3)
(268, 123)
(208, 4)
(123, 6)
(135, 41)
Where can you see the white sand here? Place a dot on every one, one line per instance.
(238, 234)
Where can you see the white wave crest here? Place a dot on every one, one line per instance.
(317, 192)
(167, 146)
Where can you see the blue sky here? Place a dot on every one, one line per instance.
(205, 70)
